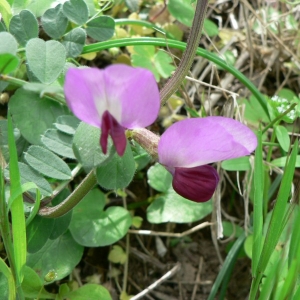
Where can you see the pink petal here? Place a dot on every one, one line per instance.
(137, 91)
(83, 87)
(197, 184)
(111, 127)
(195, 142)
(130, 95)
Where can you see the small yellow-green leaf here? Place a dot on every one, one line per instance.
(117, 255)
(137, 221)
(125, 296)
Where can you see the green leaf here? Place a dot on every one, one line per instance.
(86, 147)
(54, 22)
(287, 94)
(94, 291)
(33, 286)
(174, 208)
(281, 161)
(47, 163)
(5, 11)
(231, 230)
(283, 137)
(2, 26)
(159, 178)
(227, 266)
(192, 112)
(237, 164)
(33, 115)
(143, 57)
(258, 181)
(253, 111)
(74, 42)
(182, 10)
(118, 172)
(8, 63)
(7, 282)
(277, 222)
(101, 28)
(210, 28)
(67, 124)
(76, 11)
(37, 7)
(117, 255)
(248, 246)
(4, 290)
(24, 27)
(61, 224)
(59, 256)
(30, 175)
(38, 231)
(45, 59)
(8, 43)
(163, 63)
(58, 142)
(91, 226)
(137, 221)
(18, 227)
(20, 141)
(158, 63)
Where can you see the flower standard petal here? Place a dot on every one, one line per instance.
(197, 184)
(195, 142)
(83, 89)
(114, 98)
(137, 92)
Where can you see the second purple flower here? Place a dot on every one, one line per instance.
(188, 147)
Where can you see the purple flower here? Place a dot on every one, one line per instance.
(187, 147)
(113, 99)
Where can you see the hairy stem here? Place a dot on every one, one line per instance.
(188, 55)
(69, 203)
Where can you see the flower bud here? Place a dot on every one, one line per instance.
(146, 139)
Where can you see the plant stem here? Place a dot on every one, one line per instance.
(277, 119)
(69, 203)
(189, 54)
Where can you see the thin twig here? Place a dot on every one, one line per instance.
(170, 234)
(197, 278)
(138, 287)
(154, 285)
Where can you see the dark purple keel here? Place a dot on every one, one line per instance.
(197, 184)
(110, 126)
